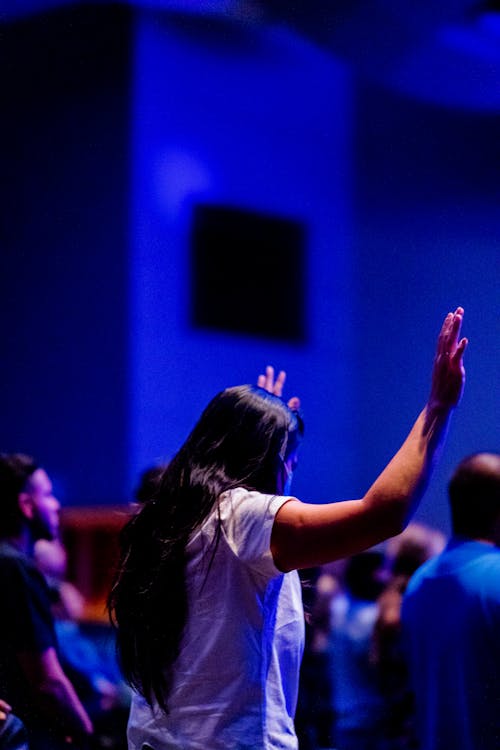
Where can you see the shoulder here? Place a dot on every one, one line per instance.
(20, 579)
(247, 519)
(476, 562)
(490, 558)
(241, 501)
(14, 563)
(487, 573)
(471, 567)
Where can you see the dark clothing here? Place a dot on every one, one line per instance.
(26, 625)
(13, 735)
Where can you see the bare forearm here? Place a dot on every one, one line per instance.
(62, 707)
(305, 535)
(53, 693)
(398, 489)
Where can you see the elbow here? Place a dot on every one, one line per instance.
(400, 523)
(389, 517)
(399, 515)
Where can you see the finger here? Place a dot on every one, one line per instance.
(280, 382)
(459, 351)
(443, 334)
(294, 403)
(266, 381)
(454, 332)
(269, 378)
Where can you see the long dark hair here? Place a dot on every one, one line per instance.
(237, 442)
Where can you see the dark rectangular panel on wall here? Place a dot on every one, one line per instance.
(64, 196)
(248, 273)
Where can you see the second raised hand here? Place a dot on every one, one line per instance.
(269, 383)
(275, 386)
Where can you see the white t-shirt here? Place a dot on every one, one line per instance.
(236, 677)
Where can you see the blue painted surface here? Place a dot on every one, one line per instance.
(400, 201)
(234, 119)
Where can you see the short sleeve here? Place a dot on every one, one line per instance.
(26, 620)
(247, 520)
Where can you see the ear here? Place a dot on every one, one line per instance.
(26, 505)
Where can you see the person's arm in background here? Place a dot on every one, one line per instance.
(5, 709)
(305, 535)
(54, 694)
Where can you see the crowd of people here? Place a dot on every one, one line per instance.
(355, 647)
(247, 619)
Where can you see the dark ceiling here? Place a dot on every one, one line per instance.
(446, 52)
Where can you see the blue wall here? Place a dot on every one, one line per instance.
(259, 120)
(427, 240)
(399, 199)
(64, 197)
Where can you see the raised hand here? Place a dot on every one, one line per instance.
(448, 373)
(275, 385)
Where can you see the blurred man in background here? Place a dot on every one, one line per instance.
(451, 619)
(32, 679)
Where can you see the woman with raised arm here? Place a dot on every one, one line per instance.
(207, 599)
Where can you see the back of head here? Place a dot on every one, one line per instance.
(474, 496)
(409, 550)
(240, 436)
(363, 575)
(15, 471)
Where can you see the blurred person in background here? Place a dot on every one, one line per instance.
(87, 652)
(356, 700)
(13, 735)
(31, 675)
(451, 619)
(405, 553)
(313, 716)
